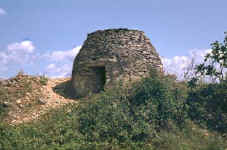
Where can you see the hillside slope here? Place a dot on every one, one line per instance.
(156, 113)
(24, 98)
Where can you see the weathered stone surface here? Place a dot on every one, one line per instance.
(108, 56)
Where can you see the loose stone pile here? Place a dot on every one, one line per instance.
(25, 98)
(108, 56)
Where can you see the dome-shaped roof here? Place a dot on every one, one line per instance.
(108, 56)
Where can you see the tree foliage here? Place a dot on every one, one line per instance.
(215, 62)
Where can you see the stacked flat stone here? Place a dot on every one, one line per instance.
(123, 54)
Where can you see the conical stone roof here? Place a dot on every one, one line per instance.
(108, 56)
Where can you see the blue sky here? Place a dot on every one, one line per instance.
(43, 36)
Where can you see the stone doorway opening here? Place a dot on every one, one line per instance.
(98, 78)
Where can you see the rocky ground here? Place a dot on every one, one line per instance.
(28, 97)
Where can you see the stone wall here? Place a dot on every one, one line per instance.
(121, 53)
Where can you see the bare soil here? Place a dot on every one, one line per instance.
(29, 97)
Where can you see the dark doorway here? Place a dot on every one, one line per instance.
(99, 79)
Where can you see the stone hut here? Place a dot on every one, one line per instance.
(108, 56)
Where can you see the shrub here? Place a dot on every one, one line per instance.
(157, 102)
(43, 80)
(132, 115)
(208, 106)
(107, 119)
(3, 110)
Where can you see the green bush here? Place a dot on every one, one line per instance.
(43, 80)
(3, 110)
(157, 102)
(108, 118)
(208, 106)
(132, 115)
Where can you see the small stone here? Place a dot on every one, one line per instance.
(42, 101)
(18, 101)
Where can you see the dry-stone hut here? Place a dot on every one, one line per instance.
(108, 56)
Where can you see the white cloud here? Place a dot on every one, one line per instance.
(178, 64)
(60, 62)
(64, 55)
(2, 12)
(16, 56)
(3, 58)
(18, 53)
(51, 67)
(57, 71)
(24, 46)
(22, 55)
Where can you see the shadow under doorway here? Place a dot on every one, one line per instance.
(98, 79)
